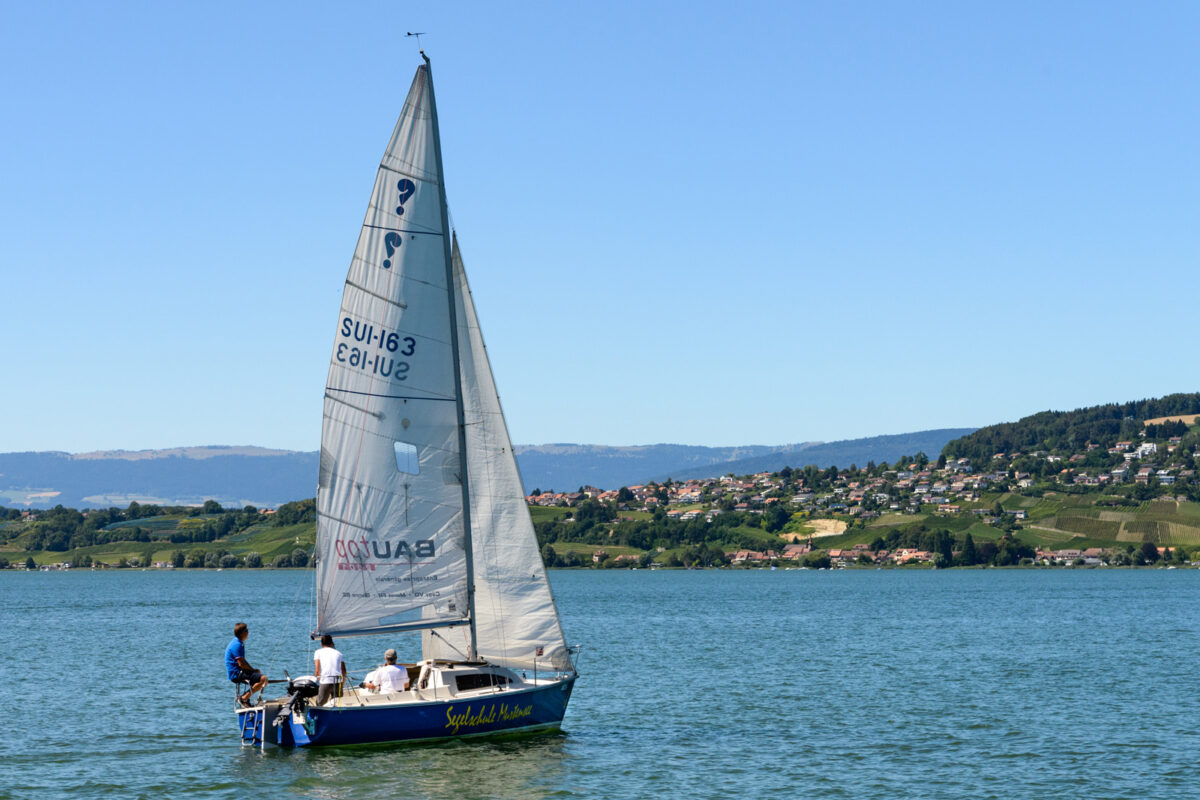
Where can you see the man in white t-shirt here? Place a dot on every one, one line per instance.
(330, 669)
(389, 677)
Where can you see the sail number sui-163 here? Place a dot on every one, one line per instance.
(378, 363)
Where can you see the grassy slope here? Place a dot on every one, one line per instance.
(265, 539)
(542, 514)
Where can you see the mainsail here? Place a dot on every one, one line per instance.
(390, 545)
(516, 621)
(393, 514)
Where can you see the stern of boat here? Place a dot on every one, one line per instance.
(257, 725)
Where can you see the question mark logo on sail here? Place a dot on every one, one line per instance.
(392, 243)
(406, 188)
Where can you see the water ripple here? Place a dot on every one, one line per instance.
(940, 685)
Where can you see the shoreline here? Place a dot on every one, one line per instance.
(847, 568)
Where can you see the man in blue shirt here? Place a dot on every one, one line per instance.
(239, 668)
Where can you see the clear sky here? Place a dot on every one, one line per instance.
(695, 222)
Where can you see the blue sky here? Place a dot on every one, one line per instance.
(706, 223)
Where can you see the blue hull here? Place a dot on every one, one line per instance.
(539, 708)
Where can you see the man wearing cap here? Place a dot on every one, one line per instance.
(389, 677)
(239, 668)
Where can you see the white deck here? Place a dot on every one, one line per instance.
(437, 681)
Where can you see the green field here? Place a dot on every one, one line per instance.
(893, 520)
(547, 513)
(1164, 522)
(265, 539)
(1055, 521)
(562, 548)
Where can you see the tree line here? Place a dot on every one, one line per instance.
(595, 523)
(196, 558)
(1060, 431)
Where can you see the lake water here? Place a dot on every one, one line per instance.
(714, 684)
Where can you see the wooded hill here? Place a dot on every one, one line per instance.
(1071, 431)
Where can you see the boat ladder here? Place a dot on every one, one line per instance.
(254, 723)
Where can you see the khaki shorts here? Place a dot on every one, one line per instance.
(328, 690)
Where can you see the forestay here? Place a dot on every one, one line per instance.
(390, 539)
(515, 615)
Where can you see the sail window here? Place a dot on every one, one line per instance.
(406, 458)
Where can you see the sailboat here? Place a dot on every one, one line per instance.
(422, 525)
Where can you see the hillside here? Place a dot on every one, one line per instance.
(1109, 485)
(567, 466)
(1068, 500)
(825, 454)
(1072, 431)
(239, 476)
(208, 536)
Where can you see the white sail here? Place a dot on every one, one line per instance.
(390, 542)
(515, 615)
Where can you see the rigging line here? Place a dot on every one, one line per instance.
(448, 643)
(329, 389)
(376, 414)
(377, 295)
(288, 624)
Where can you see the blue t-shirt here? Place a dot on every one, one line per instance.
(235, 650)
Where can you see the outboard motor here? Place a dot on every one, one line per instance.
(299, 691)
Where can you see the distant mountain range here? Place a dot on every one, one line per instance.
(827, 454)
(234, 476)
(239, 476)
(569, 466)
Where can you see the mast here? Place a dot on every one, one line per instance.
(458, 394)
